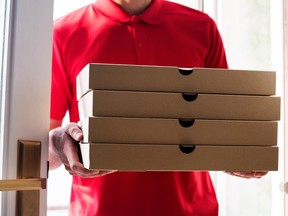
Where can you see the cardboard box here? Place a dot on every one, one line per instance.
(177, 105)
(174, 131)
(129, 157)
(173, 79)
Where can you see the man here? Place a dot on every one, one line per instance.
(146, 32)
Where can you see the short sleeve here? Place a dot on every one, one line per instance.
(60, 86)
(216, 57)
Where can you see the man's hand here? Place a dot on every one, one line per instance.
(248, 175)
(64, 148)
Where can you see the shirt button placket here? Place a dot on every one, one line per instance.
(138, 39)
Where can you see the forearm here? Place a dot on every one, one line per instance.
(53, 158)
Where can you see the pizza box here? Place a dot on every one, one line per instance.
(179, 131)
(103, 103)
(173, 79)
(140, 157)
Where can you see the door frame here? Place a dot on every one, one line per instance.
(285, 82)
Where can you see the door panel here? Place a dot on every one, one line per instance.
(25, 88)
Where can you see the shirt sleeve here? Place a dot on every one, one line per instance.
(60, 83)
(216, 57)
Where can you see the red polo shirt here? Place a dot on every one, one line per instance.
(166, 34)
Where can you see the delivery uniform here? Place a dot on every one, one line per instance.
(166, 34)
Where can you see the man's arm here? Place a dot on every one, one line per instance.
(54, 160)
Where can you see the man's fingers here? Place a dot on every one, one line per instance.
(65, 142)
(74, 131)
(248, 174)
(259, 174)
(78, 169)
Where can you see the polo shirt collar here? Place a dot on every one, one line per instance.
(152, 15)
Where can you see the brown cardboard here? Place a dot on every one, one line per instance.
(177, 105)
(169, 79)
(129, 157)
(174, 131)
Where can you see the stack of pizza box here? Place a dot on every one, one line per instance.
(138, 117)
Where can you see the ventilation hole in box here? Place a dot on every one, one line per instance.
(185, 71)
(187, 149)
(189, 96)
(186, 122)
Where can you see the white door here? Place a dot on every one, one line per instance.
(25, 63)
